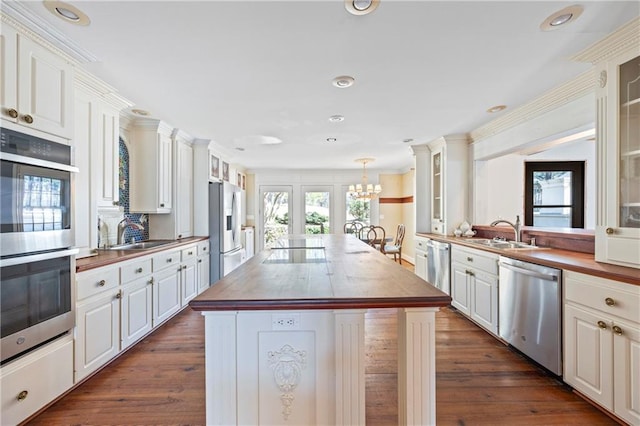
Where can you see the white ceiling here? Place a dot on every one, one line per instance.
(231, 70)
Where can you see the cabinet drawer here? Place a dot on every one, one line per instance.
(476, 259)
(612, 297)
(37, 379)
(203, 248)
(135, 270)
(94, 282)
(165, 259)
(189, 253)
(420, 243)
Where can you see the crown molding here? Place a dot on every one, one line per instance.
(91, 83)
(576, 88)
(624, 38)
(23, 19)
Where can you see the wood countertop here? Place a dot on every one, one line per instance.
(109, 257)
(345, 274)
(562, 259)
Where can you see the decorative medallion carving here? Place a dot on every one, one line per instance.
(287, 365)
(602, 80)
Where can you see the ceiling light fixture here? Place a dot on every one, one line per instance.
(67, 12)
(561, 17)
(336, 118)
(343, 81)
(496, 108)
(364, 190)
(361, 7)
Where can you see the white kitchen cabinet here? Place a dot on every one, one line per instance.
(618, 148)
(178, 223)
(150, 167)
(188, 279)
(37, 85)
(474, 285)
(602, 342)
(167, 271)
(137, 310)
(448, 183)
(34, 380)
(420, 247)
(202, 271)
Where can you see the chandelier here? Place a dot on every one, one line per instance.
(364, 190)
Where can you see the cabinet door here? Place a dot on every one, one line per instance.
(137, 310)
(460, 289)
(164, 171)
(85, 214)
(421, 264)
(188, 281)
(9, 71)
(45, 89)
(97, 333)
(588, 354)
(184, 189)
(626, 371)
(437, 190)
(203, 273)
(106, 156)
(484, 300)
(166, 294)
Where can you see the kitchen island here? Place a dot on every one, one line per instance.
(284, 335)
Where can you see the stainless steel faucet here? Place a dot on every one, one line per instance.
(122, 227)
(515, 226)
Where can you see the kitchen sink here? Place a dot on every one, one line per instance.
(499, 244)
(142, 245)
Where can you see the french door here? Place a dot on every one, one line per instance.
(276, 211)
(317, 209)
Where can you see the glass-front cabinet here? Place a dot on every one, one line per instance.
(618, 138)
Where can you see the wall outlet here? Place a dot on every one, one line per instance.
(285, 321)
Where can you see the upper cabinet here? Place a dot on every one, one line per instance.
(618, 152)
(37, 85)
(150, 157)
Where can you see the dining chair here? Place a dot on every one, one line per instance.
(380, 237)
(373, 235)
(352, 228)
(396, 248)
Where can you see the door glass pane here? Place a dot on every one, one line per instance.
(552, 217)
(358, 209)
(317, 212)
(275, 205)
(630, 144)
(552, 188)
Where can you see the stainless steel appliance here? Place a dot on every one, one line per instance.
(36, 303)
(224, 228)
(35, 194)
(439, 265)
(529, 311)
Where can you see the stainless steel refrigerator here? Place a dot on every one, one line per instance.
(224, 228)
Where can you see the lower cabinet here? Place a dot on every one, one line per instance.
(202, 272)
(420, 246)
(474, 285)
(137, 310)
(602, 342)
(166, 294)
(31, 382)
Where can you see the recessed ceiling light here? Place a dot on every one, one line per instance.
(67, 12)
(336, 118)
(331, 139)
(361, 7)
(138, 111)
(343, 81)
(496, 108)
(269, 140)
(561, 17)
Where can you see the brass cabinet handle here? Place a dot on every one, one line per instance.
(609, 231)
(138, 270)
(609, 301)
(602, 324)
(22, 395)
(617, 330)
(27, 119)
(469, 259)
(12, 113)
(119, 295)
(101, 283)
(466, 271)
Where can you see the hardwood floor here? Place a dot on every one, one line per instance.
(479, 381)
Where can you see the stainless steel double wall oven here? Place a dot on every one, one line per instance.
(37, 258)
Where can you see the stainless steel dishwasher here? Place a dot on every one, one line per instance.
(438, 265)
(529, 311)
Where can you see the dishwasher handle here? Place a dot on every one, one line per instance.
(529, 272)
(442, 247)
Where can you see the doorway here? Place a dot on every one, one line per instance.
(275, 212)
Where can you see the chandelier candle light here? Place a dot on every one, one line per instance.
(365, 190)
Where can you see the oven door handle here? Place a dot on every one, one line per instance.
(5, 156)
(38, 257)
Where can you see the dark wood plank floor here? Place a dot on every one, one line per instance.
(479, 381)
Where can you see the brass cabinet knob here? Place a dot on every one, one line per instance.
(609, 231)
(119, 295)
(469, 259)
(22, 395)
(12, 113)
(190, 253)
(116, 203)
(162, 205)
(139, 270)
(150, 281)
(609, 301)
(199, 260)
(617, 330)
(102, 283)
(602, 324)
(169, 260)
(27, 119)
(179, 236)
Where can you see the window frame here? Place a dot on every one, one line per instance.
(577, 189)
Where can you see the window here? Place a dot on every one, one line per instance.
(554, 194)
(358, 209)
